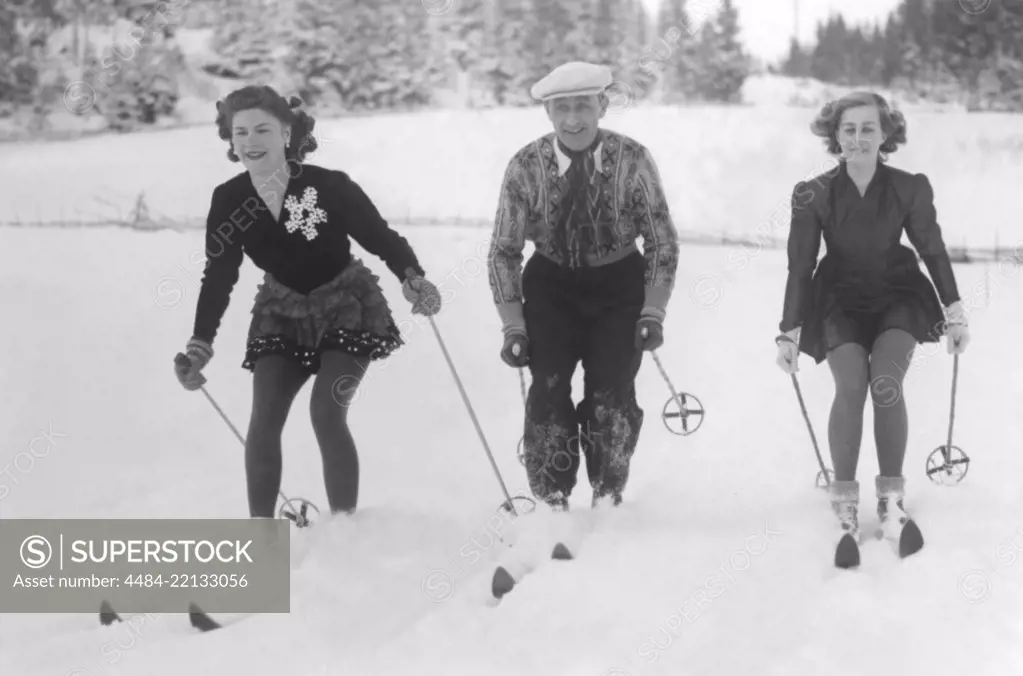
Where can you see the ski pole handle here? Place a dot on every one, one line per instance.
(182, 361)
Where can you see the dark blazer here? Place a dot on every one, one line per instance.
(865, 267)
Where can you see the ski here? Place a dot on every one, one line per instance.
(503, 582)
(197, 617)
(107, 614)
(909, 542)
(847, 553)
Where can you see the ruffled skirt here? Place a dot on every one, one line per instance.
(349, 314)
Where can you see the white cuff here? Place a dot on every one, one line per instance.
(955, 315)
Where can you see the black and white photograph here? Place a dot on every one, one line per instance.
(503, 337)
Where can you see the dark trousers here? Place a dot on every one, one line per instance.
(586, 315)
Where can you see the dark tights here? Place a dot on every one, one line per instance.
(276, 382)
(882, 372)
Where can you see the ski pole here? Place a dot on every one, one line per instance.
(679, 399)
(521, 452)
(952, 409)
(472, 415)
(664, 374)
(522, 385)
(299, 517)
(809, 427)
(948, 462)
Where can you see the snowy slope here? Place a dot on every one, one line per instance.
(727, 170)
(715, 566)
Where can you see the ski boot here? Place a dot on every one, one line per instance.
(557, 501)
(603, 498)
(561, 528)
(895, 524)
(845, 502)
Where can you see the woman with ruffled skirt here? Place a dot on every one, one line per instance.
(319, 312)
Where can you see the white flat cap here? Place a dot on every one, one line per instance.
(575, 78)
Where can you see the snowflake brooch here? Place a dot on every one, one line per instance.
(304, 215)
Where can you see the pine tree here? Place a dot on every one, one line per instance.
(642, 25)
(552, 37)
(508, 68)
(917, 42)
(361, 55)
(625, 56)
(891, 61)
(671, 59)
(607, 37)
(827, 62)
(872, 61)
(797, 62)
(911, 58)
(932, 47)
(252, 38)
(995, 43)
(723, 64)
(18, 78)
(460, 47)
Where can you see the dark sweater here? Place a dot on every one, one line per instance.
(239, 223)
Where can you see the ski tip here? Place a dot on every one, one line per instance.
(847, 554)
(911, 540)
(199, 619)
(502, 583)
(107, 614)
(561, 553)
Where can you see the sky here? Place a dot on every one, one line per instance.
(767, 25)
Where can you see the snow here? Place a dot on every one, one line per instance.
(767, 89)
(717, 563)
(447, 165)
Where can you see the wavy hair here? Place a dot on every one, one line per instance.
(893, 122)
(266, 98)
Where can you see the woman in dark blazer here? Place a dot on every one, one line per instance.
(868, 304)
(320, 311)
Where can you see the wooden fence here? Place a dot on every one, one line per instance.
(140, 219)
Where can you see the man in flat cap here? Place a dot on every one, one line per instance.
(582, 195)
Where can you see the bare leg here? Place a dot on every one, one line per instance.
(333, 391)
(275, 382)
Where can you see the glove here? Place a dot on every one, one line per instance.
(422, 293)
(788, 351)
(958, 328)
(650, 329)
(188, 366)
(515, 351)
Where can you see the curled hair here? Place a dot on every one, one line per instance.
(265, 98)
(893, 122)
